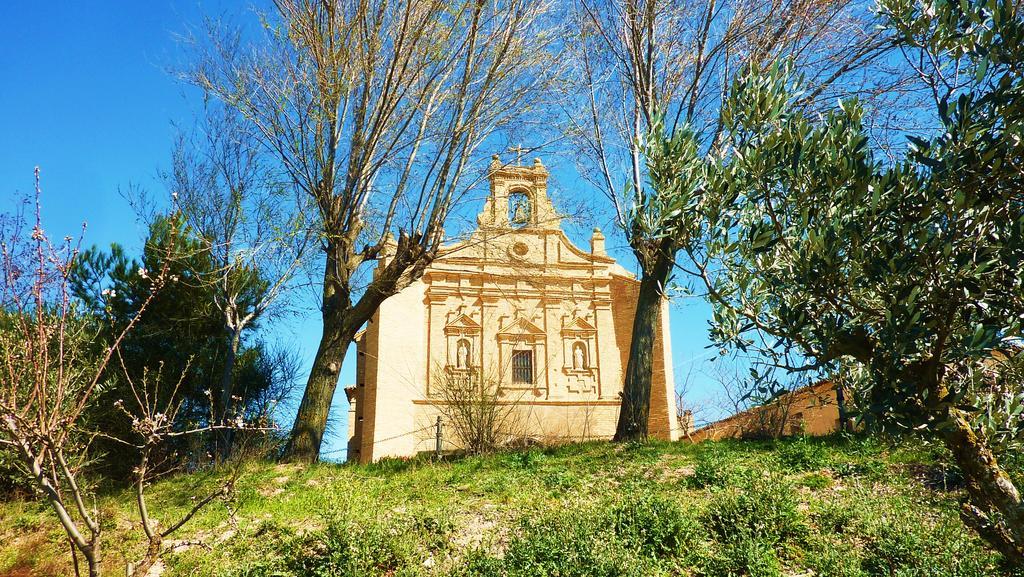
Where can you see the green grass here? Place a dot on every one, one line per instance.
(835, 506)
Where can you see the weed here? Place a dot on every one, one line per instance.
(815, 481)
(712, 470)
(764, 509)
(802, 454)
(653, 526)
(745, 557)
(868, 468)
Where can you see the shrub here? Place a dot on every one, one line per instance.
(763, 510)
(653, 526)
(712, 469)
(802, 455)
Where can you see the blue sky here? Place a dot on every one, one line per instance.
(88, 96)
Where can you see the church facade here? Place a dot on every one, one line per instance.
(516, 310)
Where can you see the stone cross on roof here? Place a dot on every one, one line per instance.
(518, 149)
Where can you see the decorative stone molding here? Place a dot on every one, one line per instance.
(579, 354)
(529, 180)
(521, 334)
(462, 337)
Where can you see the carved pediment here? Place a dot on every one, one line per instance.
(462, 325)
(578, 326)
(519, 328)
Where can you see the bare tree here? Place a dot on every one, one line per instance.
(52, 363)
(689, 410)
(645, 67)
(474, 406)
(251, 227)
(153, 422)
(378, 111)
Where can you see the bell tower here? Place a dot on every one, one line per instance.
(518, 198)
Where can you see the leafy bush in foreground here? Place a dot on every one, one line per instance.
(763, 509)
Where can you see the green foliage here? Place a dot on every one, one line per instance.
(13, 480)
(655, 526)
(180, 335)
(889, 270)
(802, 454)
(634, 536)
(762, 509)
(524, 460)
(349, 550)
(569, 544)
(897, 545)
(712, 469)
(870, 468)
(744, 557)
(815, 481)
(626, 515)
(901, 275)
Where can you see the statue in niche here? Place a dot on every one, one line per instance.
(579, 357)
(462, 355)
(519, 209)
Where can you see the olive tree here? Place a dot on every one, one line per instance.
(819, 255)
(647, 66)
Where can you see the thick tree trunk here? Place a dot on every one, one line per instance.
(341, 321)
(994, 507)
(311, 420)
(636, 390)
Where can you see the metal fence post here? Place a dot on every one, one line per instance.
(437, 446)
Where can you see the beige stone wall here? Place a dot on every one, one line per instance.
(505, 290)
(812, 410)
(542, 423)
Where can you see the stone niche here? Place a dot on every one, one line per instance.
(579, 355)
(462, 346)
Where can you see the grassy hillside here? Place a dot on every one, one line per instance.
(835, 506)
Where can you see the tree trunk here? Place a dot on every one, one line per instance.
(226, 436)
(141, 568)
(92, 557)
(636, 390)
(841, 405)
(993, 507)
(311, 420)
(341, 321)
